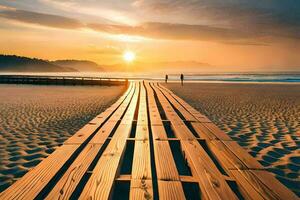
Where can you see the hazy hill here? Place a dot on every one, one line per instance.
(13, 63)
(79, 65)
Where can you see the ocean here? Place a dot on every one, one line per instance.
(284, 77)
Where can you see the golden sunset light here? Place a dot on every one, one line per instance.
(165, 32)
(129, 56)
(150, 99)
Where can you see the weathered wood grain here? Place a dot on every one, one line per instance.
(221, 135)
(80, 136)
(100, 184)
(200, 117)
(253, 180)
(211, 181)
(260, 184)
(170, 190)
(141, 165)
(67, 184)
(32, 183)
(165, 166)
(154, 115)
(187, 115)
(169, 186)
(141, 189)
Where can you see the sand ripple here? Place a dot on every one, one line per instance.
(263, 118)
(34, 120)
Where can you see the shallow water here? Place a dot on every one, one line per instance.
(262, 118)
(34, 120)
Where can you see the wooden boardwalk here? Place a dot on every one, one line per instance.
(150, 144)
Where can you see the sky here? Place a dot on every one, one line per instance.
(219, 35)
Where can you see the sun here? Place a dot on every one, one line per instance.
(129, 56)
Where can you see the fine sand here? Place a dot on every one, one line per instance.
(262, 118)
(34, 120)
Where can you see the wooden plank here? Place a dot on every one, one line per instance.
(187, 115)
(200, 117)
(107, 128)
(248, 191)
(103, 116)
(142, 115)
(169, 186)
(211, 181)
(182, 132)
(221, 135)
(103, 133)
(203, 132)
(67, 184)
(209, 131)
(165, 166)
(170, 190)
(142, 132)
(226, 158)
(270, 185)
(63, 153)
(99, 185)
(117, 115)
(141, 164)
(158, 132)
(154, 114)
(232, 149)
(141, 189)
(260, 184)
(190, 179)
(32, 183)
(255, 184)
(80, 136)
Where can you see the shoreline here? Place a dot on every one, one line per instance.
(233, 82)
(280, 78)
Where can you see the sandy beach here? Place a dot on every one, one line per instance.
(34, 120)
(262, 118)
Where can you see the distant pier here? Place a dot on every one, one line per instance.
(150, 144)
(60, 80)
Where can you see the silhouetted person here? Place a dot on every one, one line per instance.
(181, 78)
(166, 79)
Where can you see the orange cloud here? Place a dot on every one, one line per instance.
(40, 19)
(156, 30)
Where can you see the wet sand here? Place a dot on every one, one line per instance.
(34, 120)
(262, 118)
